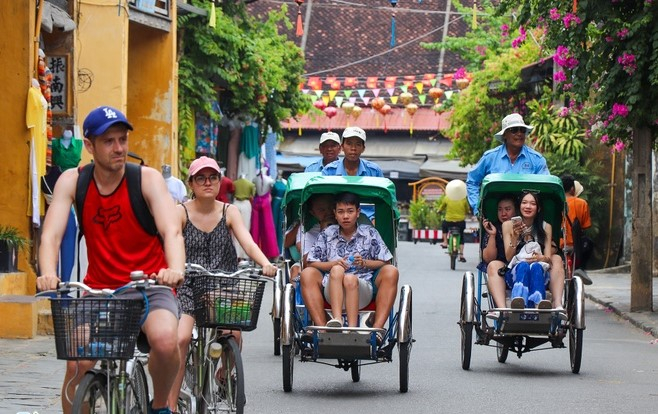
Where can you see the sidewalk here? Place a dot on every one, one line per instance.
(30, 374)
(613, 290)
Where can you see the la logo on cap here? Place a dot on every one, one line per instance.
(109, 113)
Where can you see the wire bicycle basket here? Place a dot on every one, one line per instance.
(227, 302)
(96, 327)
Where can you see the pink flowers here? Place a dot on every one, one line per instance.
(622, 33)
(559, 76)
(619, 146)
(619, 110)
(504, 30)
(554, 14)
(627, 60)
(605, 139)
(570, 18)
(460, 73)
(517, 42)
(564, 112)
(563, 58)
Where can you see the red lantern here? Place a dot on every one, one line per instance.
(411, 110)
(320, 104)
(300, 27)
(385, 110)
(330, 111)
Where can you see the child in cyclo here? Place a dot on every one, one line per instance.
(322, 208)
(353, 267)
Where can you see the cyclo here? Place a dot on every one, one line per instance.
(319, 343)
(521, 330)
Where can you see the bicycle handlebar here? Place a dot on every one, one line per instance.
(138, 281)
(192, 270)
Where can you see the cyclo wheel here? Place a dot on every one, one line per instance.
(502, 351)
(466, 328)
(288, 351)
(91, 394)
(223, 390)
(575, 334)
(355, 370)
(137, 395)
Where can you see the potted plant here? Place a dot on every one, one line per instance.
(10, 242)
(418, 211)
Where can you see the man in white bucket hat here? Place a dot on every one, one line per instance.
(514, 156)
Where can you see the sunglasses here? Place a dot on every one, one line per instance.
(535, 192)
(516, 130)
(201, 179)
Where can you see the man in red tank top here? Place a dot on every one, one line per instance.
(117, 244)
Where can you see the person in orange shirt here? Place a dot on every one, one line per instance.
(578, 209)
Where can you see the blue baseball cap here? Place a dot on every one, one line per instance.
(101, 118)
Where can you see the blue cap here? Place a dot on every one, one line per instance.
(101, 118)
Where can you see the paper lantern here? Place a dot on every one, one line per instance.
(411, 110)
(348, 108)
(330, 111)
(462, 83)
(436, 93)
(406, 98)
(456, 190)
(437, 108)
(378, 103)
(356, 112)
(385, 110)
(320, 104)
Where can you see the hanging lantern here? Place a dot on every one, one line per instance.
(320, 104)
(406, 98)
(411, 110)
(330, 111)
(436, 94)
(300, 25)
(437, 108)
(356, 112)
(378, 103)
(385, 110)
(462, 83)
(348, 108)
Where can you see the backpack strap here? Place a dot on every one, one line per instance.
(84, 178)
(134, 181)
(140, 208)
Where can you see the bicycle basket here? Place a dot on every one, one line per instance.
(226, 302)
(95, 328)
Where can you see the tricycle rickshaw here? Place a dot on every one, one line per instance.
(521, 330)
(351, 347)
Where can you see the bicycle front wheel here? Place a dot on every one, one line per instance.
(224, 386)
(91, 394)
(137, 395)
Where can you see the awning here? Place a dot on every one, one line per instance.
(55, 17)
(444, 168)
(425, 119)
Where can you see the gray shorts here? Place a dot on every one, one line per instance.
(158, 298)
(366, 292)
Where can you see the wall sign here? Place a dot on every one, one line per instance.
(60, 86)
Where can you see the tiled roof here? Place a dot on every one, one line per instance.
(352, 38)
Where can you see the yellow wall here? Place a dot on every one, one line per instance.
(152, 95)
(18, 57)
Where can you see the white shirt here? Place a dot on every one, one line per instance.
(177, 189)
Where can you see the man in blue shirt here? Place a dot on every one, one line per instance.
(511, 157)
(329, 148)
(354, 143)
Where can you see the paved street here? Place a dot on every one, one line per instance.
(618, 374)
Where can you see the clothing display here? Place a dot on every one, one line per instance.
(66, 152)
(177, 189)
(226, 187)
(262, 223)
(270, 152)
(36, 121)
(249, 151)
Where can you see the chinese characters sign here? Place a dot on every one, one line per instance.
(59, 88)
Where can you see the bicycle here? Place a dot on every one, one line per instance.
(214, 374)
(103, 326)
(454, 240)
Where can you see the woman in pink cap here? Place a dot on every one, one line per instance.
(208, 225)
